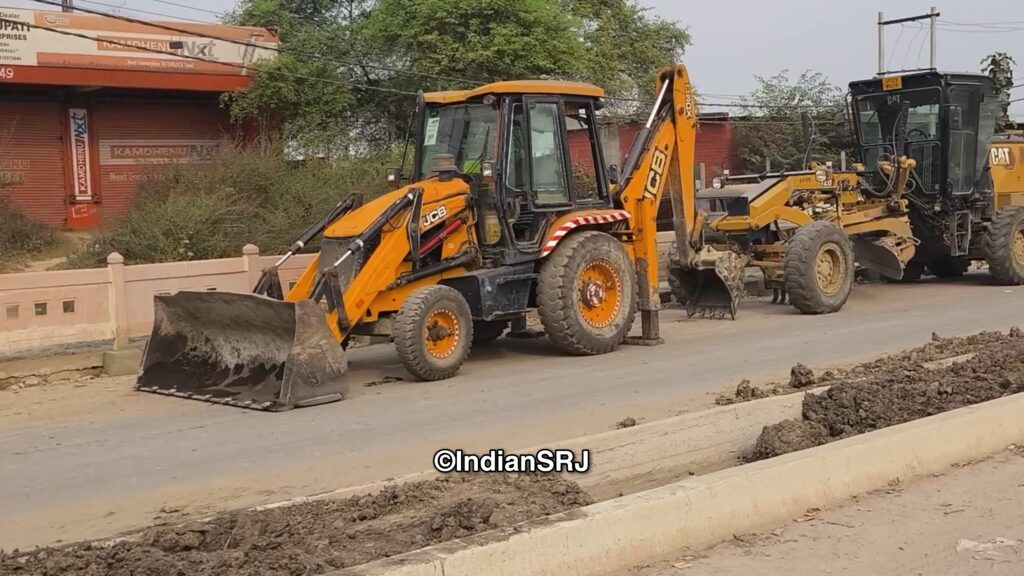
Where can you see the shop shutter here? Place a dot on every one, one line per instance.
(138, 139)
(32, 159)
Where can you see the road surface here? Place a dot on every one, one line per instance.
(90, 461)
(964, 522)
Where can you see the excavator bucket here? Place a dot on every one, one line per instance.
(244, 350)
(713, 284)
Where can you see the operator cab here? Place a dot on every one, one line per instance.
(943, 121)
(529, 159)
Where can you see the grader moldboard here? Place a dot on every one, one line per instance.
(502, 217)
(935, 191)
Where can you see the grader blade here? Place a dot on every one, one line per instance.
(879, 255)
(242, 349)
(713, 284)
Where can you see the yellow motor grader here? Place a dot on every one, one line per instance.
(502, 217)
(935, 191)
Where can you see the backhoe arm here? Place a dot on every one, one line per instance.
(661, 161)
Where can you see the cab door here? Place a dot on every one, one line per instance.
(554, 165)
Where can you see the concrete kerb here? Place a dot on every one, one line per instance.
(642, 455)
(615, 535)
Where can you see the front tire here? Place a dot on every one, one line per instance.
(1004, 246)
(433, 332)
(586, 294)
(819, 268)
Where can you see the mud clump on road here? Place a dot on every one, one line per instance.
(745, 392)
(900, 388)
(788, 436)
(314, 537)
(801, 376)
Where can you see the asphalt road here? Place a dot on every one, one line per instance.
(89, 461)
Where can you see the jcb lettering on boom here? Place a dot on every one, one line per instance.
(658, 160)
(433, 217)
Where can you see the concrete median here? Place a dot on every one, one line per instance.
(615, 535)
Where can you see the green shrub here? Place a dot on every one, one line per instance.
(20, 236)
(211, 211)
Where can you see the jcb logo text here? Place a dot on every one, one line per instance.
(433, 217)
(654, 176)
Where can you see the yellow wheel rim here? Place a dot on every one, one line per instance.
(441, 333)
(830, 269)
(599, 293)
(1018, 246)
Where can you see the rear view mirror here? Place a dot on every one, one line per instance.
(956, 118)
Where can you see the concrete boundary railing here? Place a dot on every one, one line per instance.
(50, 309)
(44, 310)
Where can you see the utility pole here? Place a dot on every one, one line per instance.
(932, 16)
(882, 42)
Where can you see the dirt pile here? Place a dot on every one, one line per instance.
(314, 537)
(898, 388)
(745, 392)
(801, 376)
(788, 436)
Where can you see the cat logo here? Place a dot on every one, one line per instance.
(1001, 156)
(654, 176)
(430, 219)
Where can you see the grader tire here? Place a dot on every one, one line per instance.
(487, 331)
(674, 284)
(819, 268)
(1004, 246)
(433, 332)
(586, 294)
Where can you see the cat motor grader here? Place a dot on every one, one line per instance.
(502, 217)
(935, 190)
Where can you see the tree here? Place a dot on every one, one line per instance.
(772, 128)
(351, 66)
(999, 67)
(625, 45)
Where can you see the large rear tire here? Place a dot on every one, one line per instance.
(433, 332)
(586, 294)
(819, 268)
(1004, 246)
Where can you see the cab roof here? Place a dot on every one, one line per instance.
(556, 87)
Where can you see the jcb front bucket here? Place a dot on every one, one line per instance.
(713, 284)
(244, 350)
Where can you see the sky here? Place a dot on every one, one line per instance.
(735, 40)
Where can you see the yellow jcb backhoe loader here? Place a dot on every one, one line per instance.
(502, 217)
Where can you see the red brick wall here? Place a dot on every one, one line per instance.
(715, 146)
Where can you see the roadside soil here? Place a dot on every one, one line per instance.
(314, 537)
(943, 375)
